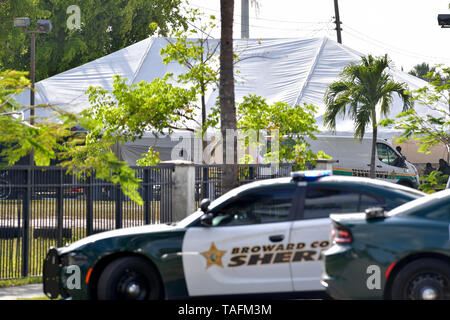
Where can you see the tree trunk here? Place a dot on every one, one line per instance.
(204, 142)
(374, 146)
(226, 93)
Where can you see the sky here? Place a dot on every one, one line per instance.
(407, 30)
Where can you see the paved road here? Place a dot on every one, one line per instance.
(20, 292)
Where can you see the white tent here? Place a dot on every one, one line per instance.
(295, 71)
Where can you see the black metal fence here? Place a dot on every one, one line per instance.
(208, 178)
(43, 206)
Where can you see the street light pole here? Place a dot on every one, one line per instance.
(32, 74)
(43, 26)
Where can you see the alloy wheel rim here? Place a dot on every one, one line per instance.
(429, 286)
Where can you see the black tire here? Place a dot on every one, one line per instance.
(129, 278)
(421, 280)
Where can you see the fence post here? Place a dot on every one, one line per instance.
(325, 164)
(119, 212)
(183, 190)
(59, 208)
(205, 183)
(147, 195)
(89, 207)
(26, 222)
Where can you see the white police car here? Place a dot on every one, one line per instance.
(265, 237)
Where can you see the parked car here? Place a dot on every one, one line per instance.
(400, 254)
(264, 237)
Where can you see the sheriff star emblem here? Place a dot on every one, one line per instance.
(393, 174)
(213, 256)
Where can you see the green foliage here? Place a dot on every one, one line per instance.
(433, 182)
(82, 154)
(106, 26)
(11, 82)
(360, 88)
(150, 158)
(90, 154)
(429, 128)
(124, 115)
(294, 126)
(18, 138)
(422, 71)
(358, 91)
(194, 50)
(129, 111)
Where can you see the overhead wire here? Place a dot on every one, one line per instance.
(368, 39)
(265, 19)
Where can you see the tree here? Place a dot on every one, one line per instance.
(293, 125)
(197, 53)
(226, 93)
(18, 138)
(359, 90)
(106, 26)
(433, 126)
(421, 71)
(122, 115)
(82, 154)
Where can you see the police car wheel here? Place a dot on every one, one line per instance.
(423, 279)
(129, 278)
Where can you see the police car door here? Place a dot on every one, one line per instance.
(243, 251)
(311, 232)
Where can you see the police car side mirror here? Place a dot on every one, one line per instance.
(204, 205)
(206, 220)
(375, 213)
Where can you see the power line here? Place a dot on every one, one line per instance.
(283, 29)
(265, 19)
(366, 38)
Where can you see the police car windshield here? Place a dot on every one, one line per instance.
(230, 194)
(197, 214)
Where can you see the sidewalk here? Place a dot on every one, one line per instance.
(20, 292)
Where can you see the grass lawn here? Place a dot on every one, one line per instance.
(76, 209)
(43, 216)
(20, 281)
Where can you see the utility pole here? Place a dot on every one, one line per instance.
(337, 21)
(245, 29)
(32, 74)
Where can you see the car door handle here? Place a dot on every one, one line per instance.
(276, 238)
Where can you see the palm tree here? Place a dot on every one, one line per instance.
(226, 93)
(422, 70)
(359, 90)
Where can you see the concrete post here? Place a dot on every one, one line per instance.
(325, 164)
(183, 189)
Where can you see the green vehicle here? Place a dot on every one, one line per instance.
(403, 254)
(264, 238)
